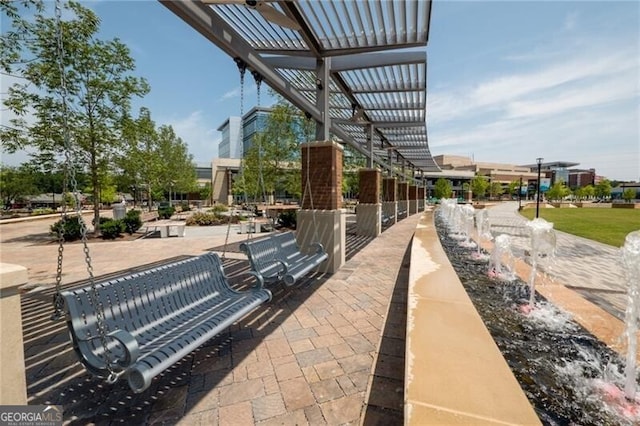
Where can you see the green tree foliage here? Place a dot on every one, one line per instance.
(584, 192)
(99, 87)
(628, 194)
(16, 183)
(352, 162)
(514, 187)
(274, 153)
(15, 35)
(205, 192)
(479, 186)
(558, 191)
(495, 189)
(442, 188)
(603, 189)
(154, 158)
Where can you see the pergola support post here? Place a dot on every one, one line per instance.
(321, 219)
(413, 199)
(369, 210)
(403, 200)
(389, 199)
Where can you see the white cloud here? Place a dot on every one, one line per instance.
(197, 132)
(579, 105)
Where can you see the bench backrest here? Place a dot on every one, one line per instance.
(262, 253)
(138, 301)
(288, 246)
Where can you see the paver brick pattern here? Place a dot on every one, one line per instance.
(307, 357)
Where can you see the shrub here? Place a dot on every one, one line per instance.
(208, 219)
(101, 220)
(185, 207)
(165, 212)
(288, 219)
(41, 211)
(70, 228)
(219, 208)
(203, 219)
(132, 221)
(112, 229)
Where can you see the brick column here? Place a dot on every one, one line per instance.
(403, 200)
(325, 223)
(413, 199)
(421, 194)
(369, 210)
(389, 189)
(369, 190)
(325, 175)
(389, 201)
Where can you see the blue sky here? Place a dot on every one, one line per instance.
(508, 81)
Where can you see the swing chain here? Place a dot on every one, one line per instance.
(242, 67)
(308, 183)
(69, 175)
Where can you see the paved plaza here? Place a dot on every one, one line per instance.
(329, 350)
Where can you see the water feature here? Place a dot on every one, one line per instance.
(542, 249)
(631, 262)
(501, 261)
(560, 366)
(483, 233)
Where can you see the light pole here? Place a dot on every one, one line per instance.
(520, 195)
(539, 161)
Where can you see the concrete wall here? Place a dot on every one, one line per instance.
(455, 374)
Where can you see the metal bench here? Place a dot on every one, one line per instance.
(154, 318)
(278, 257)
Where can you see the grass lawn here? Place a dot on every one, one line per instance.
(609, 226)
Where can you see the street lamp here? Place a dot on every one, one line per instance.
(520, 195)
(539, 161)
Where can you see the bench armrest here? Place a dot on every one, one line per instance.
(128, 344)
(319, 248)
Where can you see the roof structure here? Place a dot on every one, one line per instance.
(358, 68)
(552, 165)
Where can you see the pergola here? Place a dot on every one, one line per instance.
(358, 68)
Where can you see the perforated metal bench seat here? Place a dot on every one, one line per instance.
(156, 317)
(278, 257)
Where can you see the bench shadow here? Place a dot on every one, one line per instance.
(54, 376)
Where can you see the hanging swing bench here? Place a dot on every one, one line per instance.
(147, 321)
(278, 257)
(141, 324)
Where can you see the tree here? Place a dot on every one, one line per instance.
(495, 189)
(479, 186)
(514, 188)
(14, 35)
(603, 189)
(205, 192)
(98, 88)
(16, 183)
(274, 153)
(628, 194)
(558, 191)
(154, 159)
(442, 188)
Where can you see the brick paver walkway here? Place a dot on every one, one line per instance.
(328, 351)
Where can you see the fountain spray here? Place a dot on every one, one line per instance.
(631, 262)
(543, 245)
